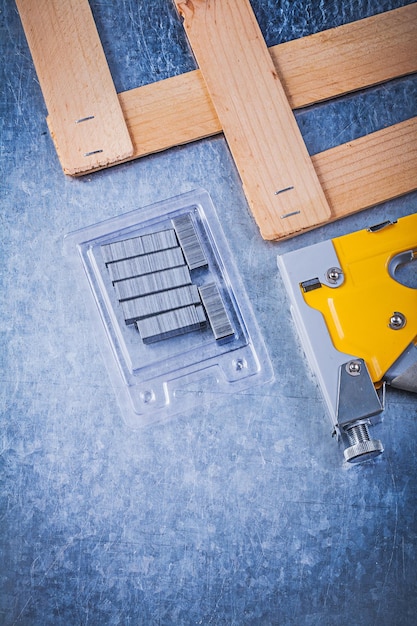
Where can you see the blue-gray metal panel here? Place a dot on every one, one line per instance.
(241, 512)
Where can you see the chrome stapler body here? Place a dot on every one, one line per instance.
(357, 323)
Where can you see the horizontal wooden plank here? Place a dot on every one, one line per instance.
(168, 113)
(178, 110)
(369, 170)
(277, 174)
(85, 116)
(347, 58)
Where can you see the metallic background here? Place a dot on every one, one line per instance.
(241, 512)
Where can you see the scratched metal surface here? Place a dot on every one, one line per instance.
(241, 511)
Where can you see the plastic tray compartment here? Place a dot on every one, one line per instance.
(172, 306)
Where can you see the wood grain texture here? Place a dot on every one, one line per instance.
(347, 58)
(278, 177)
(168, 113)
(179, 109)
(369, 170)
(76, 84)
(354, 176)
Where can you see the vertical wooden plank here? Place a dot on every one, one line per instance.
(278, 176)
(85, 116)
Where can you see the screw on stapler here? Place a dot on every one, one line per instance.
(357, 323)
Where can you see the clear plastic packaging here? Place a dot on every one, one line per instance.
(172, 305)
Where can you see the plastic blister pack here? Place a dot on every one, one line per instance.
(172, 305)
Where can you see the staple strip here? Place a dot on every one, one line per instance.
(171, 324)
(135, 246)
(160, 302)
(216, 311)
(151, 283)
(189, 241)
(146, 264)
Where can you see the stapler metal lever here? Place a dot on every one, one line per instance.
(357, 323)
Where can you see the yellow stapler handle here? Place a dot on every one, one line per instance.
(369, 313)
(357, 323)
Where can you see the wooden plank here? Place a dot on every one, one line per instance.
(347, 58)
(179, 109)
(369, 170)
(278, 177)
(169, 113)
(183, 110)
(85, 116)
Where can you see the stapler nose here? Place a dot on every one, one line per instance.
(403, 373)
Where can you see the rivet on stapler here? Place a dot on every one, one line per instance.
(357, 323)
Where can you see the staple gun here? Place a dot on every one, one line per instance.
(357, 324)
